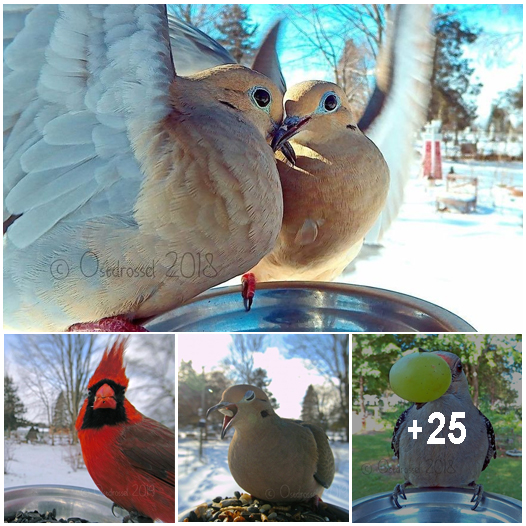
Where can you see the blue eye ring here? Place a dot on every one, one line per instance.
(261, 97)
(329, 102)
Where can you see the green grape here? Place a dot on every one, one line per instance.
(420, 377)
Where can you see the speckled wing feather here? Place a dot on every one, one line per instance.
(492, 448)
(395, 442)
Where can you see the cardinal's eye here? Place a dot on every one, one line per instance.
(262, 97)
(330, 102)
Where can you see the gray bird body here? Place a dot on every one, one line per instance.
(270, 457)
(301, 459)
(448, 464)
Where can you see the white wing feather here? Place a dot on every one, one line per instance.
(82, 83)
(405, 109)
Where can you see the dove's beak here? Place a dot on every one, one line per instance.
(290, 127)
(229, 410)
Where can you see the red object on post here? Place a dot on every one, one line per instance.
(437, 168)
(432, 159)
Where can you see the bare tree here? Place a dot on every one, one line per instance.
(366, 21)
(318, 40)
(241, 359)
(352, 76)
(54, 363)
(152, 367)
(329, 354)
(202, 16)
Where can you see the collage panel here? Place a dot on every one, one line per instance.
(436, 428)
(89, 426)
(263, 427)
(351, 182)
(294, 190)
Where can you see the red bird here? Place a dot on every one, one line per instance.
(129, 456)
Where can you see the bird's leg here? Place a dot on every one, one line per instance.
(316, 502)
(112, 324)
(478, 495)
(399, 492)
(248, 289)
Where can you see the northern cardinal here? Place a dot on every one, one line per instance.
(130, 457)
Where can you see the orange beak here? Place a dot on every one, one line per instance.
(105, 398)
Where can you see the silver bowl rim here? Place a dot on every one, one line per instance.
(445, 316)
(375, 496)
(51, 486)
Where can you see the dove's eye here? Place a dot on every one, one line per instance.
(261, 97)
(330, 102)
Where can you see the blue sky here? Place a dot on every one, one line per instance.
(497, 57)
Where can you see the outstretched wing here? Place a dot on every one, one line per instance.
(398, 106)
(266, 60)
(83, 84)
(196, 51)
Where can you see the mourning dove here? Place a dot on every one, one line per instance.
(454, 463)
(335, 192)
(273, 458)
(127, 189)
(340, 184)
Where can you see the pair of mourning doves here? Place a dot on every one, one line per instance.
(273, 458)
(128, 189)
(337, 186)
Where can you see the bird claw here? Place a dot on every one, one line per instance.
(248, 289)
(477, 496)
(247, 302)
(399, 491)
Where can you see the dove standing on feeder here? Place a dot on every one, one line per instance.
(273, 458)
(449, 464)
(127, 189)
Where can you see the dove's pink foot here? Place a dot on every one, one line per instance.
(112, 324)
(248, 289)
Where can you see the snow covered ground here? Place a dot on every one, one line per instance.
(202, 480)
(470, 264)
(44, 464)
